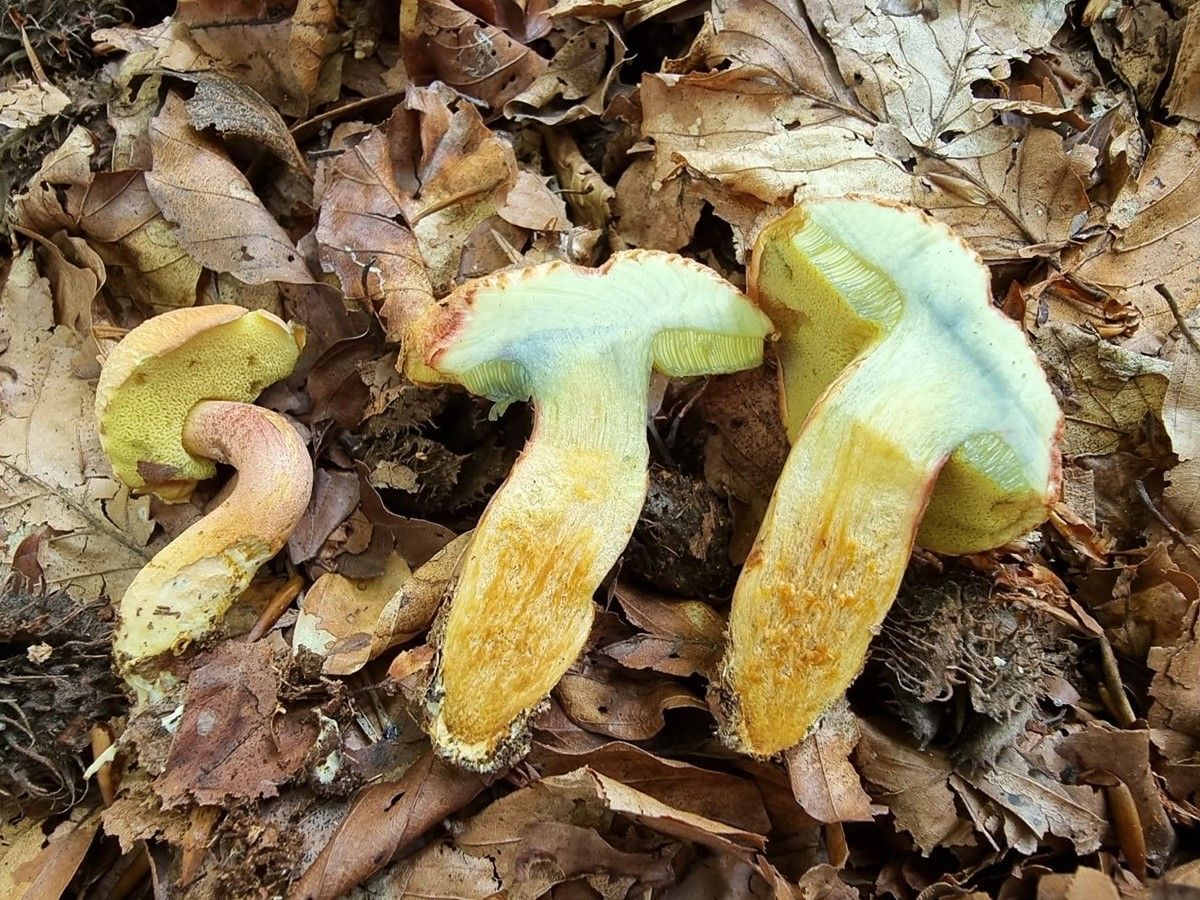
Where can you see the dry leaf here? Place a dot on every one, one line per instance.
(220, 220)
(384, 819)
(360, 232)
(577, 81)
(1158, 242)
(281, 50)
(24, 103)
(917, 71)
(1183, 93)
(479, 60)
(1105, 391)
(604, 701)
(338, 616)
(823, 779)
(704, 792)
(35, 865)
(52, 471)
(681, 637)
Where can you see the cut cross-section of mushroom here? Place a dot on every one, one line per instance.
(899, 370)
(173, 397)
(581, 343)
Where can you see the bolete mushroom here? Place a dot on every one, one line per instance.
(174, 395)
(897, 372)
(581, 343)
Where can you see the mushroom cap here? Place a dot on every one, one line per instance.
(839, 278)
(166, 365)
(500, 336)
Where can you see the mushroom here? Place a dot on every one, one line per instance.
(897, 372)
(174, 395)
(581, 343)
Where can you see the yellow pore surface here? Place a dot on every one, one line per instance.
(522, 607)
(163, 368)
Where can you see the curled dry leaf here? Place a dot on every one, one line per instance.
(604, 701)
(338, 617)
(679, 637)
(233, 107)
(705, 792)
(1183, 93)
(34, 864)
(1158, 242)
(917, 71)
(220, 220)
(361, 233)
(25, 103)
(823, 779)
(577, 81)
(413, 605)
(1105, 391)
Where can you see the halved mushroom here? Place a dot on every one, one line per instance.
(897, 372)
(581, 343)
(174, 395)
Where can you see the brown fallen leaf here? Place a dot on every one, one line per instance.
(385, 818)
(281, 50)
(605, 701)
(680, 637)
(704, 792)
(231, 743)
(1082, 884)
(916, 72)
(338, 615)
(25, 103)
(577, 81)
(1158, 241)
(235, 108)
(823, 779)
(220, 220)
(412, 606)
(34, 864)
(478, 59)
(1183, 93)
(361, 232)
(1105, 391)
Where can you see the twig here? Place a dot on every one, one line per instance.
(1165, 293)
(1164, 521)
(280, 601)
(1114, 691)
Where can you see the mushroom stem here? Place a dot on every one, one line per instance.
(522, 606)
(195, 578)
(828, 560)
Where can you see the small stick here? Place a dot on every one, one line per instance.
(107, 782)
(1128, 826)
(1114, 688)
(274, 609)
(1164, 521)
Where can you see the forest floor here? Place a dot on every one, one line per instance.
(1028, 721)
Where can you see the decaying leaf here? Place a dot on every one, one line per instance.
(230, 742)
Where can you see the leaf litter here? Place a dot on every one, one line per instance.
(1029, 722)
